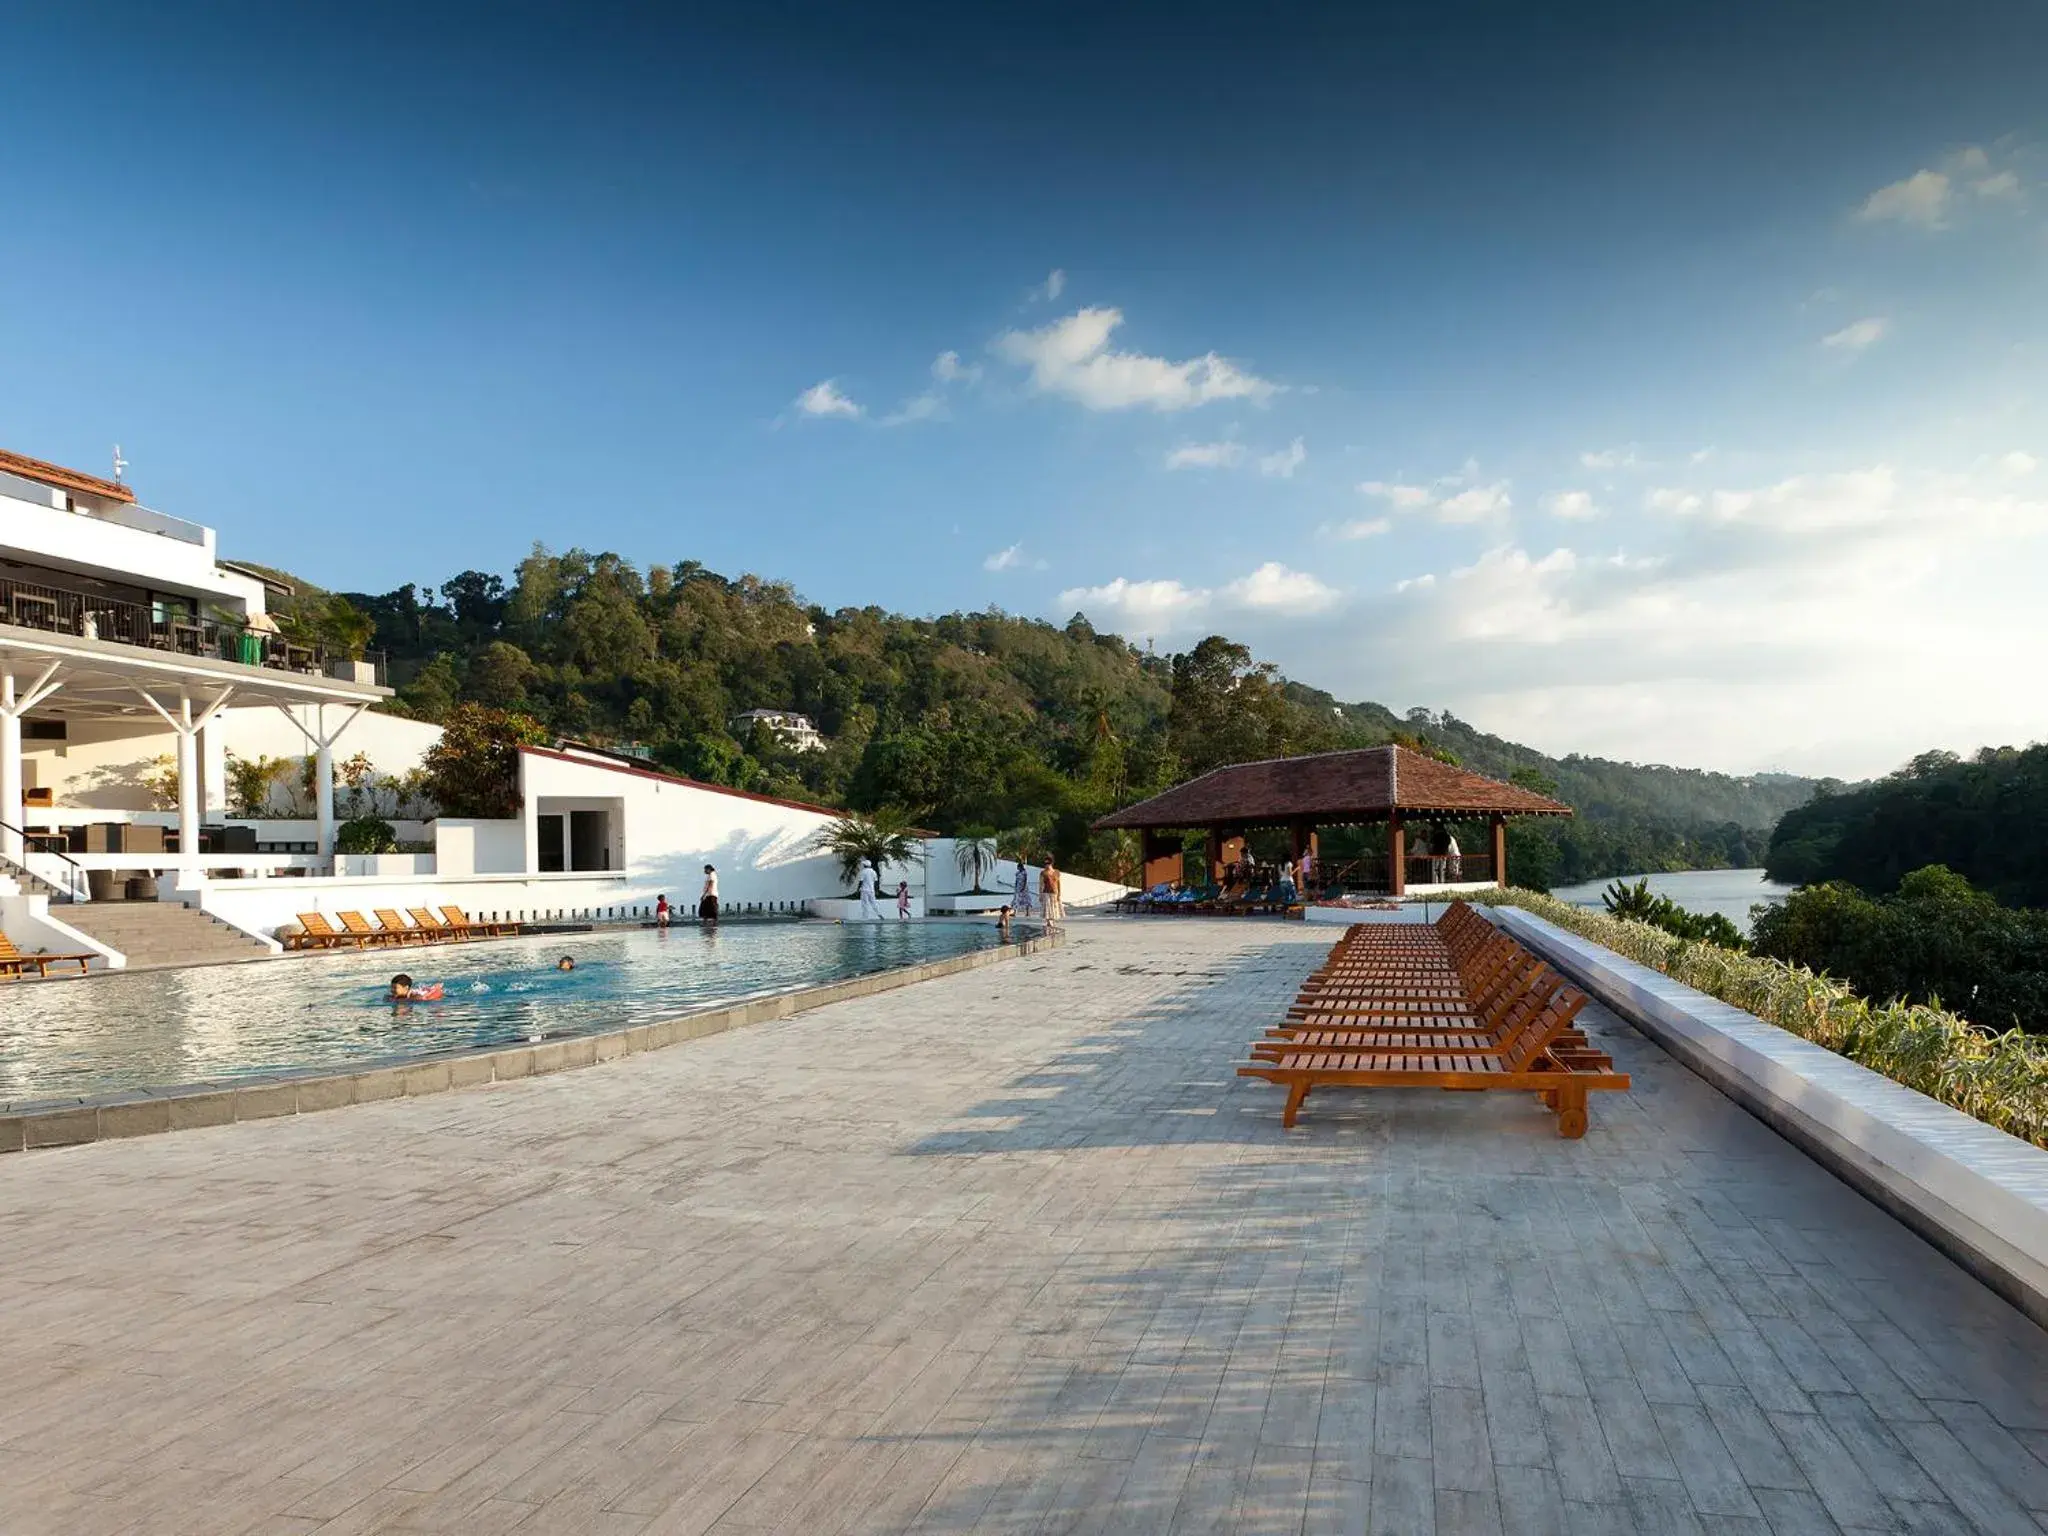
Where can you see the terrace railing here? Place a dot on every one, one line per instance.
(95, 616)
(1370, 873)
(44, 860)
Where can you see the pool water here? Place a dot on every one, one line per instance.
(222, 1022)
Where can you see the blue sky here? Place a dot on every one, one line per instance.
(1667, 387)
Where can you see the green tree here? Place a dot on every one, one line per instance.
(854, 838)
(974, 855)
(473, 770)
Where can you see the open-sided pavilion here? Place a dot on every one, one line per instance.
(1393, 786)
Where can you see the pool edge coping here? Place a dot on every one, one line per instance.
(154, 1111)
(1970, 1190)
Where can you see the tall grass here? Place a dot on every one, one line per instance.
(2002, 1079)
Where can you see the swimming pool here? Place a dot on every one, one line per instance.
(220, 1023)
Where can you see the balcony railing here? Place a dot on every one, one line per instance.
(95, 616)
(1370, 873)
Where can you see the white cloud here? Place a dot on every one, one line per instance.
(918, 408)
(1206, 456)
(1283, 464)
(1363, 528)
(1700, 455)
(1670, 499)
(1475, 504)
(948, 369)
(2000, 184)
(1137, 607)
(1402, 498)
(1858, 334)
(827, 399)
(1072, 357)
(1573, 506)
(1054, 285)
(1420, 583)
(1922, 199)
(1005, 559)
(1148, 608)
(1275, 588)
(2018, 463)
(1609, 458)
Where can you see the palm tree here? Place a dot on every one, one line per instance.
(854, 838)
(974, 855)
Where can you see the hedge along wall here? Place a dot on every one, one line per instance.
(2002, 1079)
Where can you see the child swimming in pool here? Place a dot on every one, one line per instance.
(405, 990)
(566, 963)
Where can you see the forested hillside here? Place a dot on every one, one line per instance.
(1986, 818)
(979, 721)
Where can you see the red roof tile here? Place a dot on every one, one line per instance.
(64, 479)
(1363, 785)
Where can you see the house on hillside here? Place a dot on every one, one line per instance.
(796, 731)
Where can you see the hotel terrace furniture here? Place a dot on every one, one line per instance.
(492, 930)
(14, 964)
(315, 932)
(434, 928)
(358, 927)
(1455, 1005)
(391, 922)
(1391, 786)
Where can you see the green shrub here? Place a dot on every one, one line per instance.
(2002, 1079)
(1635, 903)
(366, 834)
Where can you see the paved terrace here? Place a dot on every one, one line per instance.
(1011, 1251)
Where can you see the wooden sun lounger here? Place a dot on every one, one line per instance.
(454, 915)
(358, 928)
(315, 932)
(14, 964)
(433, 926)
(390, 922)
(1525, 1061)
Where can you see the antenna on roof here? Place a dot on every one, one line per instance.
(120, 464)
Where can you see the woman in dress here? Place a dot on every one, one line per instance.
(1049, 892)
(1020, 896)
(903, 900)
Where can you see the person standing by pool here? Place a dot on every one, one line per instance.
(903, 901)
(869, 912)
(1020, 897)
(1049, 893)
(661, 911)
(707, 903)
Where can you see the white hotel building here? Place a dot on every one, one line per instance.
(127, 644)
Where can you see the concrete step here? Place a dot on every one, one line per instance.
(162, 933)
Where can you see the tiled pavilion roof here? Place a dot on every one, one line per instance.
(1369, 784)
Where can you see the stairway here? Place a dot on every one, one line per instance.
(160, 933)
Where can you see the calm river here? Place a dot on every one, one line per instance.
(1729, 892)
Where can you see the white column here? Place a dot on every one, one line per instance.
(213, 770)
(188, 791)
(10, 771)
(323, 794)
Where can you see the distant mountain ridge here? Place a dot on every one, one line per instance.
(981, 721)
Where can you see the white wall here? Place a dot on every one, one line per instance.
(41, 533)
(672, 829)
(101, 765)
(1076, 890)
(469, 847)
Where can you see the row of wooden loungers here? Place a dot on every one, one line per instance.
(1456, 1005)
(315, 932)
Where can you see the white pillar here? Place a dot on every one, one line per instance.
(188, 797)
(213, 770)
(323, 794)
(10, 771)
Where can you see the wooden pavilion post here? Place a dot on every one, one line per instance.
(1500, 851)
(1162, 858)
(1397, 855)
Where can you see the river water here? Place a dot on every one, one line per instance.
(1730, 892)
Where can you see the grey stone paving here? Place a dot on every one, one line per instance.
(1010, 1251)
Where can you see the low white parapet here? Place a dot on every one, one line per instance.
(1976, 1193)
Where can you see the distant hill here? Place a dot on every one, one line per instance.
(1984, 817)
(980, 721)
